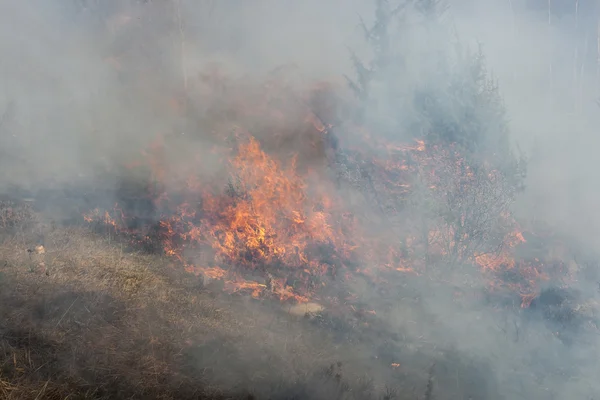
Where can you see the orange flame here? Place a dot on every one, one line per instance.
(280, 219)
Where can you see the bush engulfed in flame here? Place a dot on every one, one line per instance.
(265, 219)
(291, 226)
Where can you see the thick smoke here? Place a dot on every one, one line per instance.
(87, 84)
(545, 55)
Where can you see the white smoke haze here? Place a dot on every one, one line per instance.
(548, 73)
(86, 85)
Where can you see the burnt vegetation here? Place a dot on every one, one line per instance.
(304, 252)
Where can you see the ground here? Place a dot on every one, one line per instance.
(87, 317)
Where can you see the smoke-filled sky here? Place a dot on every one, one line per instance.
(549, 75)
(84, 83)
(62, 95)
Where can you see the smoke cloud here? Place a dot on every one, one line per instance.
(87, 85)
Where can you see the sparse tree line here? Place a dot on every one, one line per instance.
(450, 197)
(466, 175)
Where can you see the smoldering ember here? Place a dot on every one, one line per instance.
(386, 199)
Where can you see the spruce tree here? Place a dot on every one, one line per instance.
(422, 83)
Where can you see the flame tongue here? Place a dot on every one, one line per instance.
(284, 221)
(267, 217)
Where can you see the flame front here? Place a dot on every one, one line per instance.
(288, 224)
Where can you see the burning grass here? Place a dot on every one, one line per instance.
(105, 323)
(109, 322)
(296, 230)
(92, 317)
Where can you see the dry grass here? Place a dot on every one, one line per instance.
(89, 320)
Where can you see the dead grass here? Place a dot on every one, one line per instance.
(88, 319)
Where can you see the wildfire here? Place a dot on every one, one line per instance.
(520, 276)
(269, 217)
(266, 218)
